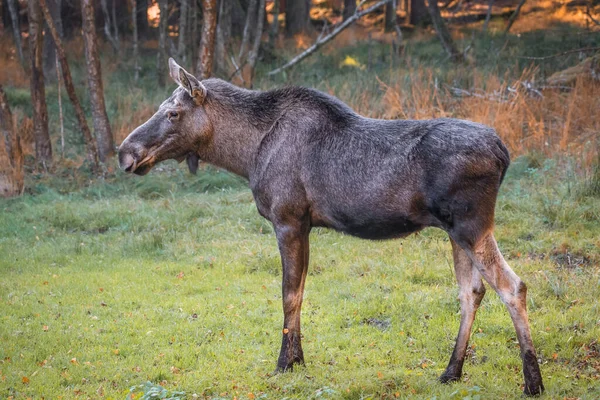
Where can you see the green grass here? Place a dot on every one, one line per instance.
(175, 280)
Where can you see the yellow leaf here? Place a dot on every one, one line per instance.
(352, 62)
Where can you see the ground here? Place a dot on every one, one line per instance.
(175, 280)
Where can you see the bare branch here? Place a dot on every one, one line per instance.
(589, 14)
(327, 38)
(514, 16)
(584, 49)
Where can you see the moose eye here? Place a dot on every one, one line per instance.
(173, 114)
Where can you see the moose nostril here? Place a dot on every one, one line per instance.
(127, 162)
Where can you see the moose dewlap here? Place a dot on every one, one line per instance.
(312, 161)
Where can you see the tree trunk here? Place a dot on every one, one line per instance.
(488, 16)
(107, 27)
(418, 12)
(443, 32)
(297, 17)
(253, 55)
(514, 16)
(1, 18)
(142, 17)
(207, 42)
(102, 131)
(136, 51)
(49, 48)
(194, 34)
(223, 36)
(115, 24)
(349, 8)
(13, 8)
(274, 28)
(11, 158)
(250, 21)
(92, 152)
(161, 59)
(390, 17)
(43, 145)
(181, 45)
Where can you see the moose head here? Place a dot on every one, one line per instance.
(173, 132)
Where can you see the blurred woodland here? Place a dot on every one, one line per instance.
(77, 76)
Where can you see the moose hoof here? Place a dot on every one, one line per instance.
(287, 367)
(449, 377)
(533, 389)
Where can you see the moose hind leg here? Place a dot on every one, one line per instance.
(491, 264)
(471, 293)
(294, 248)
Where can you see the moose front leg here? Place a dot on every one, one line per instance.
(292, 239)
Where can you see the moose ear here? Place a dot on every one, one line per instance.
(187, 81)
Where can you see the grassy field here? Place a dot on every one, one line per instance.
(107, 284)
(176, 280)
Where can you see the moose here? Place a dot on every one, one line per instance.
(311, 161)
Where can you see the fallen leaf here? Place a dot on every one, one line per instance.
(74, 361)
(45, 328)
(25, 380)
(116, 352)
(180, 275)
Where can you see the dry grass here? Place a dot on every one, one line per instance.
(130, 114)
(550, 121)
(11, 70)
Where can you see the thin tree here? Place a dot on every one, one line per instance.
(102, 131)
(274, 28)
(16, 26)
(181, 45)
(349, 8)
(443, 32)
(161, 59)
(488, 16)
(389, 17)
(90, 143)
(115, 25)
(136, 51)
(223, 36)
(43, 145)
(250, 16)
(50, 72)
(207, 42)
(514, 16)
(108, 31)
(418, 12)
(194, 31)
(142, 17)
(297, 17)
(11, 157)
(253, 55)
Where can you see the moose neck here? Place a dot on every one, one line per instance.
(240, 118)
